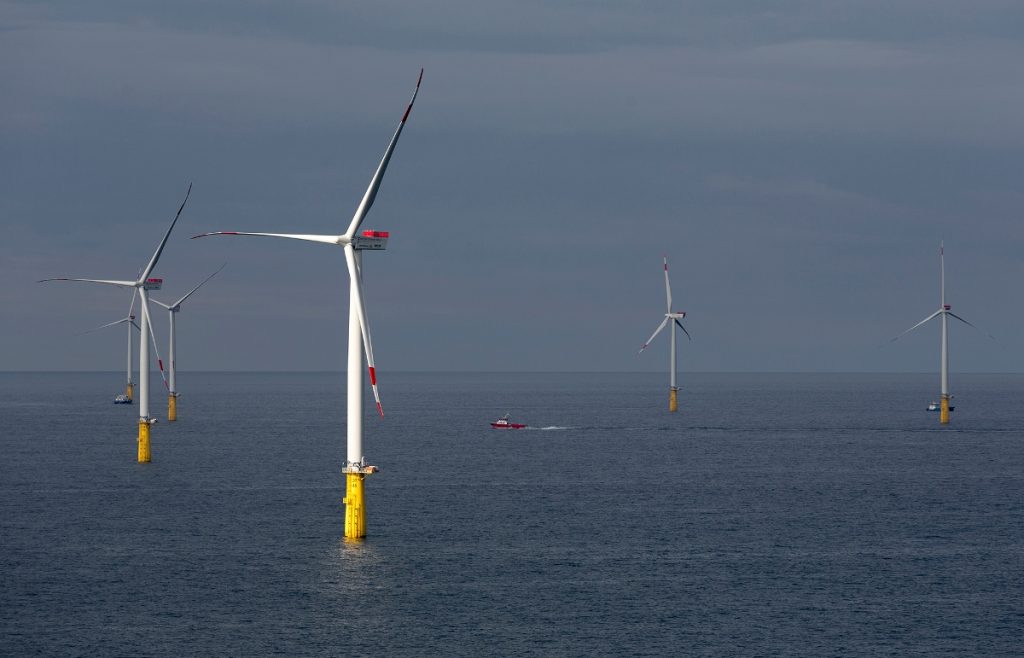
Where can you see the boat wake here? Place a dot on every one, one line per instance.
(777, 430)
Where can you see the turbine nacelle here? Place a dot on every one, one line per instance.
(370, 241)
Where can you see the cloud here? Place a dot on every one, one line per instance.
(798, 161)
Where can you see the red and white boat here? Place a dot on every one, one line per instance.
(503, 423)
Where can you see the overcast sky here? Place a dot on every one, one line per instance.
(798, 162)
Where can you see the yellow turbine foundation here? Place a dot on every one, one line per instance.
(673, 403)
(130, 391)
(172, 407)
(144, 442)
(355, 508)
(944, 410)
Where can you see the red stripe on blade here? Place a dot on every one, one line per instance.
(380, 410)
(373, 376)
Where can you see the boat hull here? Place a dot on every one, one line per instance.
(507, 426)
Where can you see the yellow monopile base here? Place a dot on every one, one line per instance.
(143, 442)
(130, 391)
(944, 410)
(172, 407)
(355, 508)
(673, 404)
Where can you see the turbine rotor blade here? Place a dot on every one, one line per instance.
(131, 307)
(160, 249)
(933, 315)
(104, 326)
(970, 325)
(364, 328)
(378, 176)
(656, 331)
(327, 239)
(668, 287)
(123, 284)
(684, 329)
(189, 293)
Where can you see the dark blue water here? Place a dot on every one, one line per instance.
(775, 514)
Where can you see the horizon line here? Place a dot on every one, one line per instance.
(543, 372)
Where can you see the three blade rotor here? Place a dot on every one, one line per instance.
(669, 314)
(176, 305)
(109, 324)
(345, 240)
(943, 308)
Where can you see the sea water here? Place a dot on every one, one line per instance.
(775, 514)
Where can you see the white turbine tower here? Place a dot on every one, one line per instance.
(143, 285)
(944, 313)
(355, 468)
(672, 318)
(172, 311)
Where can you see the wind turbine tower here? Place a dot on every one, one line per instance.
(355, 467)
(674, 318)
(129, 389)
(172, 311)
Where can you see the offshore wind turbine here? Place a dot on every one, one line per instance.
(355, 467)
(172, 311)
(944, 313)
(672, 319)
(130, 361)
(143, 284)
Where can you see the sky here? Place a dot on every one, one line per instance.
(797, 162)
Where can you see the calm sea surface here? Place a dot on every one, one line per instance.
(774, 515)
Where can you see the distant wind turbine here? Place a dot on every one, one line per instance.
(944, 313)
(674, 318)
(143, 285)
(130, 360)
(172, 311)
(358, 331)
